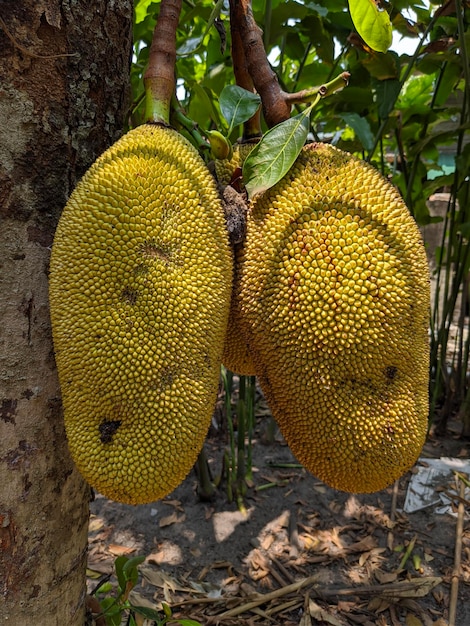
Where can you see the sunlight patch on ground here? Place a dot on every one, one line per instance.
(225, 523)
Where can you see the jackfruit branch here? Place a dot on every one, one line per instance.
(159, 77)
(252, 126)
(275, 107)
(252, 60)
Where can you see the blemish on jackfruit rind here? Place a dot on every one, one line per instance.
(167, 378)
(161, 250)
(390, 372)
(129, 295)
(108, 429)
(141, 269)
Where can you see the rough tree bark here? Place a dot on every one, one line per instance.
(63, 96)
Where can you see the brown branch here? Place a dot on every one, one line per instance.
(159, 77)
(249, 57)
(276, 109)
(252, 127)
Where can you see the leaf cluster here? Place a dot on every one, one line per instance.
(116, 604)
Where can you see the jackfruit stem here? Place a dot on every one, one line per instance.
(159, 77)
(310, 95)
(179, 118)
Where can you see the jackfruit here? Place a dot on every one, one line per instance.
(332, 294)
(236, 355)
(140, 281)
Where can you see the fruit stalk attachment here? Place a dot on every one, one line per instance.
(159, 77)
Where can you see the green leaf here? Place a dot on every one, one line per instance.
(133, 562)
(119, 564)
(387, 92)
(188, 622)
(141, 10)
(106, 587)
(111, 611)
(129, 569)
(275, 154)
(190, 45)
(372, 23)
(237, 105)
(361, 127)
(148, 613)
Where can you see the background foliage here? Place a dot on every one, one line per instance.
(406, 110)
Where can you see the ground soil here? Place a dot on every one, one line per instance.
(370, 563)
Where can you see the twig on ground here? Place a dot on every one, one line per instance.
(266, 597)
(393, 511)
(454, 587)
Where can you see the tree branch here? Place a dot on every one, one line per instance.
(159, 77)
(275, 106)
(249, 57)
(252, 127)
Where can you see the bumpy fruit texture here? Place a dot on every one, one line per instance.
(333, 295)
(140, 281)
(236, 356)
(228, 170)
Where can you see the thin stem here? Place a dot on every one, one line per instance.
(310, 95)
(180, 118)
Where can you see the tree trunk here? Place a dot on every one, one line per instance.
(63, 95)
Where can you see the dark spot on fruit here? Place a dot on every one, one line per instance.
(161, 250)
(390, 372)
(129, 295)
(108, 429)
(141, 269)
(156, 250)
(167, 378)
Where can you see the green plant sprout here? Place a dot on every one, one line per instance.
(117, 606)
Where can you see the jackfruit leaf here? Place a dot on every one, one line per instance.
(141, 10)
(361, 127)
(387, 92)
(372, 23)
(275, 154)
(383, 66)
(192, 44)
(237, 105)
(317, 8)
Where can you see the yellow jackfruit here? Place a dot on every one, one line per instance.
(236, 356)
(333, 296)
(140, 280)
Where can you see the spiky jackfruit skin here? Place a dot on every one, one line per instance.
(226, 170)
(236, 356)
(333, 295)
(140, 283)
